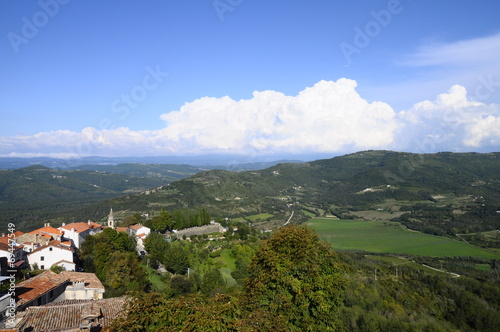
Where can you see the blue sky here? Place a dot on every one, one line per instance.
(120, 78)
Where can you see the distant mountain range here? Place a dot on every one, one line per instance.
(237, 162)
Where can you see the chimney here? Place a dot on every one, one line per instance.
(88, 222)
(78, 284)
(63, 224)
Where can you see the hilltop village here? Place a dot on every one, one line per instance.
(54, 282)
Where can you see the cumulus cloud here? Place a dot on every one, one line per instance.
(450, 122)
(329, 117)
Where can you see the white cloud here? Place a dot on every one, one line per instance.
(434, 67)
(329, 117)
(450, 122)
(471, 52)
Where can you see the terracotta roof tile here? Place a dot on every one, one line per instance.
(136, 227)
(6, 247)
(47, 230)
(79, 227)
(32, 288)
(122, 229)
(66, 316)
(53, 243)
(90, 279)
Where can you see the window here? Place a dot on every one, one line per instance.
(50, 248)
(42, 258)
(42, 267)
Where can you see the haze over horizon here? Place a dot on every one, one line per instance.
(251, 78)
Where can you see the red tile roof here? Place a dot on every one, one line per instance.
(90, 279)
(67, 315)
(136, 227)
(55, 244)
(6, 247)
(5, 239)
(81, 226)
(47, 230)
(32, 288)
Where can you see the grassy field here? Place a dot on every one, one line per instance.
(260, 216)
(389, 237)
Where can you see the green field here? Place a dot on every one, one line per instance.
(260, 216)
(390, 237)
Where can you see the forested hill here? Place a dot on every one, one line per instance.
(31, 194)
(463, 186)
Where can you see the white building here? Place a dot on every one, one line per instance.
(140, 233)
(137, 229)
(53, 253)
(76, 232)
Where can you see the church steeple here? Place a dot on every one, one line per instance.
(111, 219)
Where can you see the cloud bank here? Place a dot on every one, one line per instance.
(329, 117)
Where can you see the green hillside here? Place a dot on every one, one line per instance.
(30, 195)
(165, 172)
(441, 194)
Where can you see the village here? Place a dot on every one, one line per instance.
(63, 290)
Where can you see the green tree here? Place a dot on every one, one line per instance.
(124, 273)
(212, 282)
(297, 277)
(97, 255)
(162, 222)
(156, 247)
(176, 259)
(243, 256)
(180, 285)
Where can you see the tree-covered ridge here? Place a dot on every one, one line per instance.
(29, 195)
(370, 180)
(165, 172)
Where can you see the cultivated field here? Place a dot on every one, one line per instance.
(390, 237)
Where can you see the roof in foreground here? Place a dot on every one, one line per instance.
(90, 279)
(32, 288)
(67, 315)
